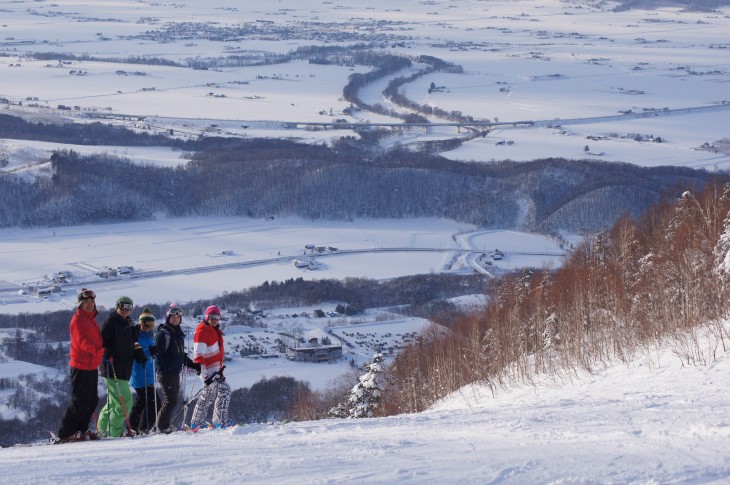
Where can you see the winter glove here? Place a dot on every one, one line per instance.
(154, 350)
(196, 366)
(216, 376)
(207, 379)
(139, 354)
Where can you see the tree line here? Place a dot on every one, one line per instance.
(263, 178)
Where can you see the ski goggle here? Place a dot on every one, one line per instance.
(175, 311)
(126, 306)
(86, 294)
(214, 316)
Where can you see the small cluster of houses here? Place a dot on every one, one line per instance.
(114, 272)
(58, 280)
(55, 286)
(314, 249)
(47, 291)
(61, 277)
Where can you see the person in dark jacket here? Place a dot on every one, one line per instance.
(144, 412)
(171, 358)
(121, 348)
(86, 354)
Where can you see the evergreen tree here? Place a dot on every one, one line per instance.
(364, 398)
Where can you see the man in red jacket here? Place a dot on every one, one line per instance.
(208, 351)
(86, 352)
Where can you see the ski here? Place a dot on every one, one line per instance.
(54, 439)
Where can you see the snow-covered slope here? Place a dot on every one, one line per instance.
(653, 421)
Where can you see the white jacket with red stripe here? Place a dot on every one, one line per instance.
(208, 348)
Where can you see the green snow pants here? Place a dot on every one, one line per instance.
(113, 416)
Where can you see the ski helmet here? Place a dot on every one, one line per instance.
(212, 310)
(84, 294)
(125, 302)
(174, 310)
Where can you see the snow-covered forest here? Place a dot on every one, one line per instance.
(260, 181)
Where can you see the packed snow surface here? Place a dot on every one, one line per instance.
(651, 421)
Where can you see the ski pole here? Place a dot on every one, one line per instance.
(108, 406)
(207, 382)
(193, 381)
(146, 401)
(187, 401)
(154, 390)
(185, 389)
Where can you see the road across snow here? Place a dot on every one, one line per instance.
(188, 259)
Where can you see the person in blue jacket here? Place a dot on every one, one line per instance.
(143, 415)
(171, 358)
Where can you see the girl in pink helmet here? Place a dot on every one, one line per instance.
(208, 351)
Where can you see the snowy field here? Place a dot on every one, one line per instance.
(573, 65)
(187, 259)
(651, 421)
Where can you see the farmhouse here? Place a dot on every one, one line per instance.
(61, 277)
(302, 263)
(314, 352)
(46, 292)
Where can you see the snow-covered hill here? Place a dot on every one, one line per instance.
(653, 421)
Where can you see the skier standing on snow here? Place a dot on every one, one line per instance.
(171, 357)
(144, 413)
(208, 351)
(86, 353)
(121, 348)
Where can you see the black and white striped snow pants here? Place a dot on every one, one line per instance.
(218, 392)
